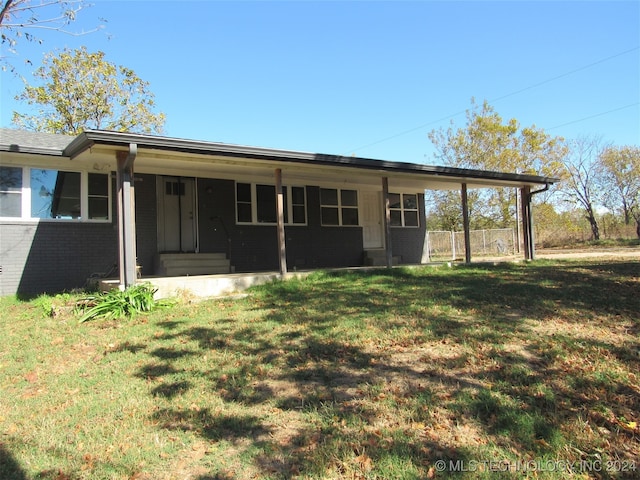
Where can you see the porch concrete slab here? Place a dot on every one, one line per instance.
(219, 285)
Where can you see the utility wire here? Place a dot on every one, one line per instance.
(594, 116)
(571, 72)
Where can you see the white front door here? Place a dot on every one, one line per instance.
(372, 225)
(176, 214)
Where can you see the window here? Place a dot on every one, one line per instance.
(243, 203)
(338, 207)
(256, 204)
(296, 207)
(403, 209)
(10, 191)
(53, 194)
(266, 204)
(98, 191)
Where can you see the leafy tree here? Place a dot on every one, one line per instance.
(79, 90)
(620, 179)
(488, 143)
(581, 177)
(19, 18)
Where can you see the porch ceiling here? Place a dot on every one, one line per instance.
(166, 156)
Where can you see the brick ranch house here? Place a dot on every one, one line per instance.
(73, 206)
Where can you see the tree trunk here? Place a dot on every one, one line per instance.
(638, 227)
(595, 231)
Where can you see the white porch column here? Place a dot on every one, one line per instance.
(387, 222)
(126, 217)
(282, 247)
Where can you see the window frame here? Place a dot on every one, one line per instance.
(19, 191)
(26, 193)
(340, 206)
(402, 209)
(288, 206)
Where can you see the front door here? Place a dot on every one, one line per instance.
(372, 226)
(177, 226)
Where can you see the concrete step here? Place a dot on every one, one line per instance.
(180, 271)
(378, 258)
(185, 262)
(182, 264)
(199, 256)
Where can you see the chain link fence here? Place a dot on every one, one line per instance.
(444, 246)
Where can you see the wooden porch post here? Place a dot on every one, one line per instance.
(465, 224)
(282, 248)
(525, 199)
(387, 222)
(126, 217)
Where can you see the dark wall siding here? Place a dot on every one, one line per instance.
(408, 243)
(255, 247)
(216, 214)
(146, 222)
(54, 256)
(57, 256)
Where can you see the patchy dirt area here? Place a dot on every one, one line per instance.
(613, 252)
(569, 253)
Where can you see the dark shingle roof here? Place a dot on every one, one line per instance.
(33, 142)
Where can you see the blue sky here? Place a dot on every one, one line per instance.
(369, 78)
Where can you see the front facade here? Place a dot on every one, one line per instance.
(107, 203)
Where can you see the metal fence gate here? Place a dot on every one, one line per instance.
(443, 245)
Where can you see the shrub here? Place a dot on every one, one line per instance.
(119, 303)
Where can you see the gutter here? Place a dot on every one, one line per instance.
(543, 189)
(89, 138)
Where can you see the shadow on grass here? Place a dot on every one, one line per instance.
(9, 467)
(330, 350)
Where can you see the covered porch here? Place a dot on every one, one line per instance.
(278, 205)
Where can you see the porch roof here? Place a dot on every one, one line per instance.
(159, 154)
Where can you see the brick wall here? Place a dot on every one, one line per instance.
(57, 256)
(53, 256)
(408, 243)
(254, 247)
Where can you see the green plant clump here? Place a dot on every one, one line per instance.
(119, 303)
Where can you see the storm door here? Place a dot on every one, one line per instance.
(177, 214)
(372, 226)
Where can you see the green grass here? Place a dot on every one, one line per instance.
(372, 375)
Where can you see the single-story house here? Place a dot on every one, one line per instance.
(71, 207)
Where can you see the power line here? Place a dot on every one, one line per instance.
(594, 116)
(516, 92)
(579, 69)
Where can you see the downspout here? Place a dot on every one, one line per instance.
(532, 247)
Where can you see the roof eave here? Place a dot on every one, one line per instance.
(87, 139)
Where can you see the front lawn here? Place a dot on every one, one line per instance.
(467, 372)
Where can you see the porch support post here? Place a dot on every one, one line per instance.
(282, 247)
(387, 222)
(126, 217)
(465, 224)
(527, 227)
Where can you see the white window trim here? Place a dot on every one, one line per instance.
(254, 205)
(340, 206)
(402, 209)
(26, 217)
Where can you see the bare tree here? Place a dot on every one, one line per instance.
(582, 176)
(621, 181)
(20, 18)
